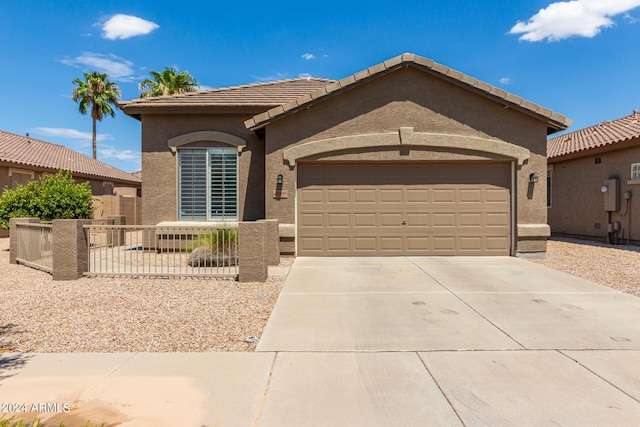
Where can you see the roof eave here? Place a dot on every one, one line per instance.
(555, 122)
(136, 111)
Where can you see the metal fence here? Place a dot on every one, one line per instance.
(34, 245)
(149, 250)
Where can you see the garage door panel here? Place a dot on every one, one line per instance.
(496, 195)
(444, 219)
(364, 220)
(417, 220)
(338, 220)
(447, 209)
(391, 244)
(470, 219)
(419, 244)
(444, 195)
(391, 220)
(391, 195)
(417, 195)
(471, 195)
(338, 196)
(311, 220)
(496, 243)
(496, 219)
(337, 243)
(364, 195)
(364, 244)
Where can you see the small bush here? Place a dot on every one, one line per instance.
(218, 239)
(215, 248)
(53, 197)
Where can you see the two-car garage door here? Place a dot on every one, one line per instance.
(403, 209)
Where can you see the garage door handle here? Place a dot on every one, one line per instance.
(404, 221)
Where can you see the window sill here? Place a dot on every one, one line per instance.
(633, 181)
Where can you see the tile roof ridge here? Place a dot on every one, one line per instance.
(226, 88)
(603, 126)
(557, 121)
(27, 136)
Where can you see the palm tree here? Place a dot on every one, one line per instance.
(97, 94)
(169, 82)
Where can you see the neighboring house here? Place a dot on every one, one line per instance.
(580, 165)
(406, 157)
(23, 158)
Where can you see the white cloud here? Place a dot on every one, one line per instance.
(305, 75)
(110, 152)
(505, 81)
(582, 18)
(116, 67)
(630, 18)
(67, 133)
(308, 56)
(126, 26)
(272, 77)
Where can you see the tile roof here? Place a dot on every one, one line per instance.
(602, 134)
(252, 95)
(28, 151)
(555, 121)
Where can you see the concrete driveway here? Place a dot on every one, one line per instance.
(450, 341)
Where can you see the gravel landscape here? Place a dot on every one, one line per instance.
(195, 315)
(615, 266)
(126, 314)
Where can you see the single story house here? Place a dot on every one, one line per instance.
(407, 157)
(593, 181)
(24, 158)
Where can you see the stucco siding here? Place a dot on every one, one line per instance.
(159, 164)
(408, 98)
(577, 204)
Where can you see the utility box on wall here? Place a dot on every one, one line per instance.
(611, 191)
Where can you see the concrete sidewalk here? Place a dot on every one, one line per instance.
(376, 342)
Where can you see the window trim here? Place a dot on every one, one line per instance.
(22, 172)
(208, 200)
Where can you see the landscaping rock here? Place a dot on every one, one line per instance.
(204, 256)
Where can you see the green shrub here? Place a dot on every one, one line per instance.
(218, 239)
(53, 197)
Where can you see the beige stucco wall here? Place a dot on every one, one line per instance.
(408, 98)
(577, 204)
(159, 164)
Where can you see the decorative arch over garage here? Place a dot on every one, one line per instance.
(407, 137)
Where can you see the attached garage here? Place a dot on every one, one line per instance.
(406, 157)
(351, 209)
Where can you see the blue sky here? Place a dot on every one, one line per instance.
(579, 58)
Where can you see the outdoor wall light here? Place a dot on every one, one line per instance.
(279, 179)
(604, 188)
(533, 177)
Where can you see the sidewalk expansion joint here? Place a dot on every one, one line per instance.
(598, 375)
(263, 400)
(453, 408)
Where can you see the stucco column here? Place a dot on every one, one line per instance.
(252, 256)
(272, 241)
(70, 249)
(13, 237)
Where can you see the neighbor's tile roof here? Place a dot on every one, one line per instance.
(28, 151)
(599, 135)
(555, 121)
(258, 94)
